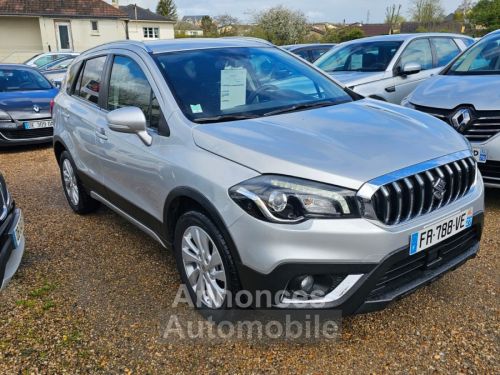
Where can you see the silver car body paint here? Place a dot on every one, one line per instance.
(346, 145)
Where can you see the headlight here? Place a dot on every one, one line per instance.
(282, 199)
(5, 195)
(406, 103)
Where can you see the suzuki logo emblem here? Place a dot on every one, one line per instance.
(36, 108)
(461, 119)
(439, 188)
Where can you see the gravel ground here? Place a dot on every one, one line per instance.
(92, 290)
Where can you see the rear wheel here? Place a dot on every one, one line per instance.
(204, 261)
(77, 197)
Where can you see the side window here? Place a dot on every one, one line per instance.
(128, 86)
(89, 83)
(71, 76)
(418, 51)
(446, 50)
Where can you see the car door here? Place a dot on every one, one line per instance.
(418, 51)
(83, 117)
(133, 172)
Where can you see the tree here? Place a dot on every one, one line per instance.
(167, 8)
(485, 16)
(281, 25)
(227, 25)
(208, 26)
(393, 17)
(343, 35)
(427, 12)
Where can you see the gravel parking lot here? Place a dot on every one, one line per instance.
(91, 290)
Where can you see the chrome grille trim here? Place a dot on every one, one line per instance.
(418, 190)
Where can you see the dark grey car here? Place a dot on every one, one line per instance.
(25, 105)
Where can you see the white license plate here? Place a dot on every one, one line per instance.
(480, 154)
(440, 231)
(18, 231)
(38, 124)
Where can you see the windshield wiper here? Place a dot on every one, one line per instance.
(299, 107)
(206, 120)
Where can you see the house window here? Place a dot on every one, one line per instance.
(151, 32)
(94, 25)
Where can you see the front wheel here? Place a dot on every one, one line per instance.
(75, 193)
(204, 261)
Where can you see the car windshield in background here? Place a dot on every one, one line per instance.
(59, 64)
(215, 85)
(359, 57)
(22, 80)
(483, 58)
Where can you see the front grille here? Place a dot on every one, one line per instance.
(16, 134)
(413, 267)
(490, 171)
(484, 124)
(424, 192)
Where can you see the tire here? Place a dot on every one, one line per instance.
(208, 278)
(76, 195)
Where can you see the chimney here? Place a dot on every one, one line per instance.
(115, 3)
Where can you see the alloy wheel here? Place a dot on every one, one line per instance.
(204, 267)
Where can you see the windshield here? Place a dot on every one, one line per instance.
(482, 58)
(59, 64)
(236, 83)
(359, 57)
(22, 80)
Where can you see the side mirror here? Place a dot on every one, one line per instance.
(411, 68)
(129, 120)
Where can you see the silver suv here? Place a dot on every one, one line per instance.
(467, 96)
(389, 67)
(264, 175)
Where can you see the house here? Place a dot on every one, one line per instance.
(146, 25)
(30, 27)
(187, 29)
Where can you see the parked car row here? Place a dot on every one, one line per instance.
(262, 173)
(466, 95)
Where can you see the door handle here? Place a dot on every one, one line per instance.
(101, 134)
(65, 114)
(390, 89)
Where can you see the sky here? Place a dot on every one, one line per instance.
(316, 10)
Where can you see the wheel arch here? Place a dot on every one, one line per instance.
(184, 199)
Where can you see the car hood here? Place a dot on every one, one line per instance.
(448, 92)
(19, 104)
(346, 145)
(357, 78)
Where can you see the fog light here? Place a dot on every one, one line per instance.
(307, 283)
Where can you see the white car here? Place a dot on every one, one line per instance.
(42, 59)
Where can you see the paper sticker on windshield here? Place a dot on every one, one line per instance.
(233, 88)
(196, 108)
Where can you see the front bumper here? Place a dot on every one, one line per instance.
(396, 276)
(271, 255)
(13, 133)
(10, 256)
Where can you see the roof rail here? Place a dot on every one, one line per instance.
(263, 41)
